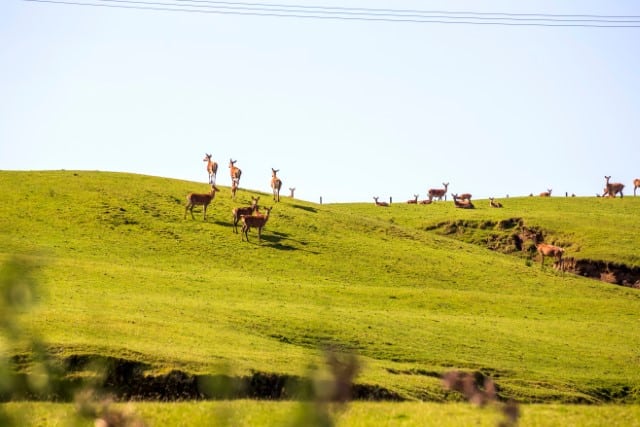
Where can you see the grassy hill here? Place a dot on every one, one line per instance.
(124, 275)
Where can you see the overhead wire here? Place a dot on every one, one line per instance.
(363, 14)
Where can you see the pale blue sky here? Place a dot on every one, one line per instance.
(347, 110)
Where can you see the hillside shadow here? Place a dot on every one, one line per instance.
(305, 208)
(276, 238)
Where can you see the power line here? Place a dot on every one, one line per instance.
(351, 14)
(413, 11)
(257, 7)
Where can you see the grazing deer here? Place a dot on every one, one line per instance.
(613, 188)
(439, 192)
(546, 193)
(550, 250)
(466, 204)
(493, 203)
(291, 191)
(636, 184)
(196, 199)
(385, 204)
(256, 221)
(276, 184)
(246, 210)
(212, 168)
(413, 201)
(234, 171)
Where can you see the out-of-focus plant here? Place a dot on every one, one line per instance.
(330, 391)
(18, 293)
(481, 390)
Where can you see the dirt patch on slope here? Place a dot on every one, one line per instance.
(512, 236)
(126, 380)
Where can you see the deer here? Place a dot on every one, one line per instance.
(212, 168)
(636, 184)
(256, 221)
(234, 171)
(197, 199)
(613, 188)
(245, 210)
(545, 249)
(276, 184)
(384, 204)
(426, 201)
(465, 196)
(493, 203)
(546, 193)
(234, 189)
(466, 204)
(291, 191)
(438, 192)
(413, 201)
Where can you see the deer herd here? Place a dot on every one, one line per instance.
(251, 217)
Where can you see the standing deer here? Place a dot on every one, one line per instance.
(256, 221)
(613, 188)
(234, 189)
(550, 250)
(465, 204)
(276, 184)
(246, 210)
(291, 191)
(196, 199)
(384, 204)
(212, 168)
(493, 203)
(546, 193)
(413, 201)
(234, 171)
(438, 192)
(636, 184)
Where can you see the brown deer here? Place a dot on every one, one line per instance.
(245, 210)
(613, 188)
(493, 203)
(413, 201)
(466, 204)
(234, 189)
(234, 171)
(546, 193)
(545, 249)
(636, 184)
(196, 199)
(465, 196)
(291, 191)
(276, 184)
(438, 192)
(212, 168)
(426, 201)
(384, 204)
(256, 221)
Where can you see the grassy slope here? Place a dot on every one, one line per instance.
(125, 275)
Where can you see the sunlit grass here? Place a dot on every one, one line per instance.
(125, 275)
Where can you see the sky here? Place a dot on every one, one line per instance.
(345, 109)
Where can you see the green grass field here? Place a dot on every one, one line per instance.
(123, 275)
